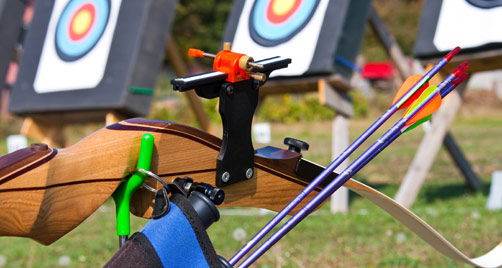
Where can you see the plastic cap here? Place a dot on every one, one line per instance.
(462, 67)
(193, 52)
(452, 54)
(459, 79)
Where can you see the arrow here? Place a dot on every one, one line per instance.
(428, 97)
(443, 94)
(413, 85)
(193, 52)
(420, 83)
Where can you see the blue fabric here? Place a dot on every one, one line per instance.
(174, 240)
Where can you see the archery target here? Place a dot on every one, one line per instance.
(468, 24)
(289, 28)
(77, 44)
(273, 22)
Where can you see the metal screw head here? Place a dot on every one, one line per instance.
(225, 177)
(230, 90)
(249, 173)
(39, 147)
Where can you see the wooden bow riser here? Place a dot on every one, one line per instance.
(48, 193)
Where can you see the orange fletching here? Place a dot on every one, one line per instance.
(193, 52)
(406, 86)
(433, 106)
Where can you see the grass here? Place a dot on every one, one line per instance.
(364, 237)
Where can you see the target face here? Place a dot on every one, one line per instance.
(289, 28)
(77, 45)
(84, 58)
(453, 29)
(80, 27)
(272, 22)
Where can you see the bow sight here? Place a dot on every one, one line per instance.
(236, 82)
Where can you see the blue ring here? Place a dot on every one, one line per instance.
(266, 33)
(70, 50)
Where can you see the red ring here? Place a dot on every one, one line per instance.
(274, 18)
(86, 7)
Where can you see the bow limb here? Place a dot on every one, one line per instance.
(424, 230)
(307, 171)
(414, 223)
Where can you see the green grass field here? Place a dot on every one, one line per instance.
(364, 237)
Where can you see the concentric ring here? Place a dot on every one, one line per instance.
(80, 26)
(272, 22)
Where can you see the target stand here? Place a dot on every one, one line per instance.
(52, 133)
(443, 26)
(89, 61)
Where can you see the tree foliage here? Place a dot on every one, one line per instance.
(200, 24)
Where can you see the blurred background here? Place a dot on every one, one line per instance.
(363, 236)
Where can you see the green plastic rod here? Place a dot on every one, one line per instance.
(123, 194)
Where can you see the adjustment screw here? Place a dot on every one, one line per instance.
(249, 173)
(38, 147)
(256, 84)
(230, 89)
(225, 177)
(296, 145)
(217, 196)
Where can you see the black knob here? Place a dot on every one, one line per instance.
(296, 145)
(215, 194)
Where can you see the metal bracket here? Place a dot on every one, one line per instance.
(237, 106)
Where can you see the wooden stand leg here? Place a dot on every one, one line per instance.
(428, 150)
(193, 100)
(52, 135)
(339, 201)
(4, 113)
(463, 165)
(112, 118)
(340, 136)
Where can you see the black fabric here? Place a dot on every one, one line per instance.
(161, 205)
(137, 252)
(199, 230)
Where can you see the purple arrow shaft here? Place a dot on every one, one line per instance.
(346, 153)
(352, 169)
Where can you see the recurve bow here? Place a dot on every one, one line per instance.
(46, 192)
